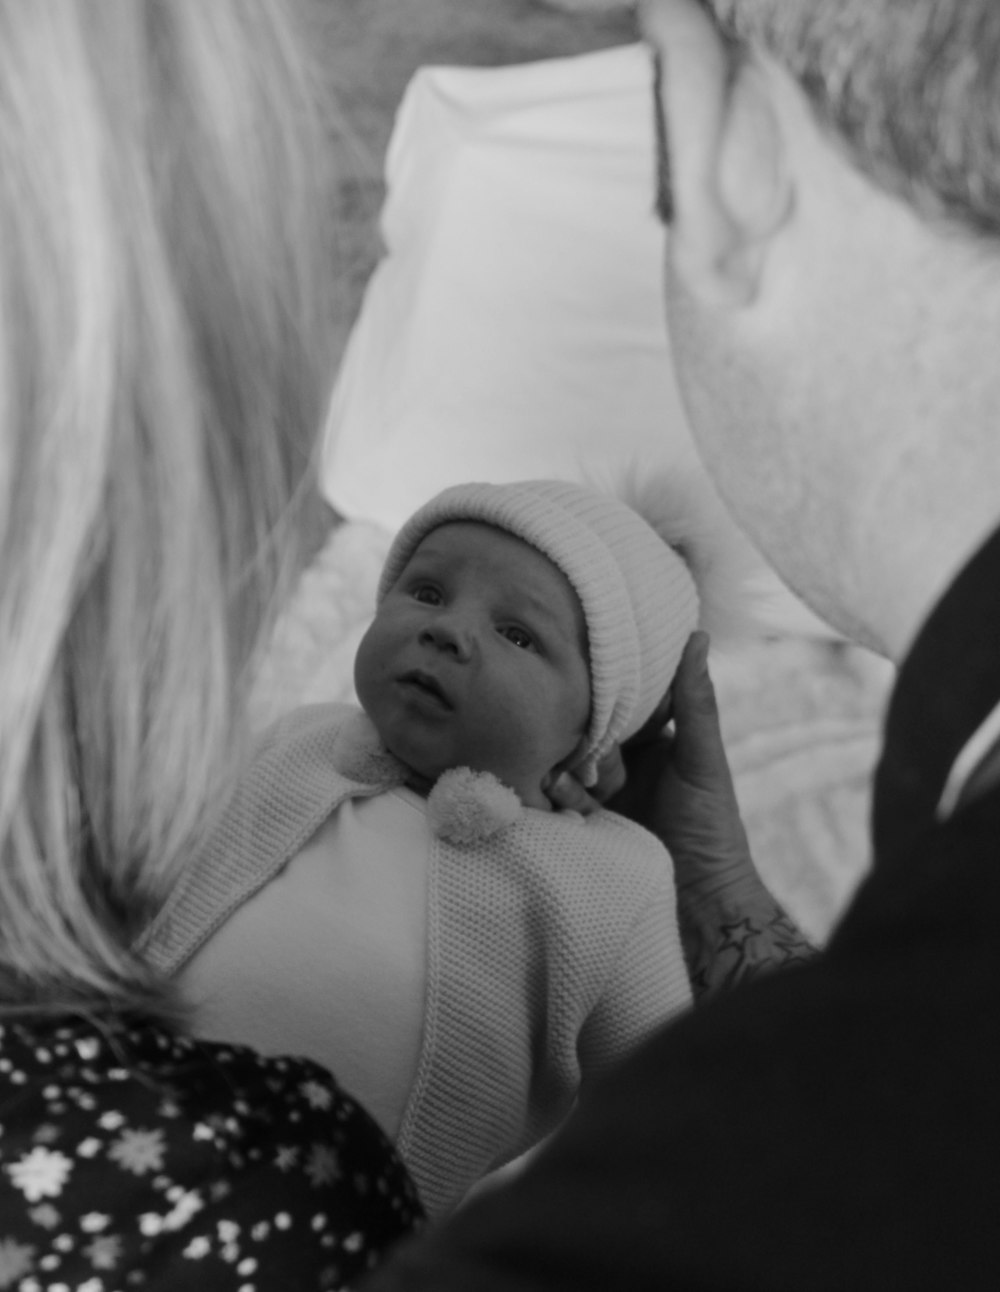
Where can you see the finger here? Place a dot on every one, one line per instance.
(692, 692)
(568, 795)
(699, 753)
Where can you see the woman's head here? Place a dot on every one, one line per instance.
(161, 339)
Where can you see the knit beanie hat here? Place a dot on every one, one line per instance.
(639, 598)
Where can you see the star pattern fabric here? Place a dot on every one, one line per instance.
(131, 1157)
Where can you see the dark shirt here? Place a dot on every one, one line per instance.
(134, 1158)
(832, 1127)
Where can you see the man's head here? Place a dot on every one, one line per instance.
(828, 171)
(521, 629)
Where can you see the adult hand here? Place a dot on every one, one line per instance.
(679, 786)
(675, 783)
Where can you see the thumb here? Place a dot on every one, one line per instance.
(699, 754)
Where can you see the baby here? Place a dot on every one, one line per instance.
(396, 894)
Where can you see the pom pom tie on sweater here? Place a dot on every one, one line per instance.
(464, 806)
(360, 755)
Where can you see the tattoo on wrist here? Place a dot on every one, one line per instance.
(732, 950)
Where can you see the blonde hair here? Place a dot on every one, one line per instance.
(162, 266)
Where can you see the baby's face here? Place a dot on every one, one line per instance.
(477, 658)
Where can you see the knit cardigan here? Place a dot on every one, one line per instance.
(552, 952)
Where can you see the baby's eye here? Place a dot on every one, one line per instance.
(426, 593)
(519, 637)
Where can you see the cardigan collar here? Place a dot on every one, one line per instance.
(464, 806)
(948, 685)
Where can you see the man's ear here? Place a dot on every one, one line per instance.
(729, 160)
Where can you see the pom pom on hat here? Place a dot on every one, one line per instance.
(639, 596)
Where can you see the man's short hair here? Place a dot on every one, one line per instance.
(911, 86)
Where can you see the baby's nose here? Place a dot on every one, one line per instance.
(450, 634)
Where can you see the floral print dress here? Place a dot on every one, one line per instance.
(133, 1158)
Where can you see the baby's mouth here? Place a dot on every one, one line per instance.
(428, 685)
